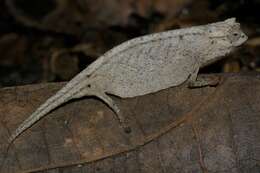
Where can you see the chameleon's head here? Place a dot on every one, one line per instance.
(223, 38)
(227, 33)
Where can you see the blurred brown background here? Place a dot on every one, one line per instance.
(53, 40)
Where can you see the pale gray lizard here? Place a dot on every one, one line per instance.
(146, 65)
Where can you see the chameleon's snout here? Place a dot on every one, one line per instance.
(241, 40)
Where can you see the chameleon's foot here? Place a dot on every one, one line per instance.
(203, 81)
(127, 129)
(117, 111)
(123, 123)
(122, 120)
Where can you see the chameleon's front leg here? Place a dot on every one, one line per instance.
(196, 81)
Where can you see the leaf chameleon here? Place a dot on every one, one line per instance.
(146, 65)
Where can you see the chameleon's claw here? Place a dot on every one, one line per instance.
(124, 125)
(127, 129)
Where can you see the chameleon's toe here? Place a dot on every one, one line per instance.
(127, 129)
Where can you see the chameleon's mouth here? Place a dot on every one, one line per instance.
(243, 38)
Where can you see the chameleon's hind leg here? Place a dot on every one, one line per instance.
(117, 111)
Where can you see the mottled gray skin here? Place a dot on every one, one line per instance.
(145, 65)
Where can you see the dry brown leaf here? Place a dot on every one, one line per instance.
(71, 16)
(253, 42)
(12, 49)
(65, 63)
(231, 66)
(77, 16)
(171, 8)
(210, 129)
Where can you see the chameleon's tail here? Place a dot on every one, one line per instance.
(64, 95)
(72, 90)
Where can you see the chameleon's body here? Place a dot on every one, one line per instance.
(145, 65)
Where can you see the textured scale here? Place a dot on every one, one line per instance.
(145, 65)
(127, 77)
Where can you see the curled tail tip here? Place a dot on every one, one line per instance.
(11, 139)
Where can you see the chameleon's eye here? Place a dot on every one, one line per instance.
(235, 36)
